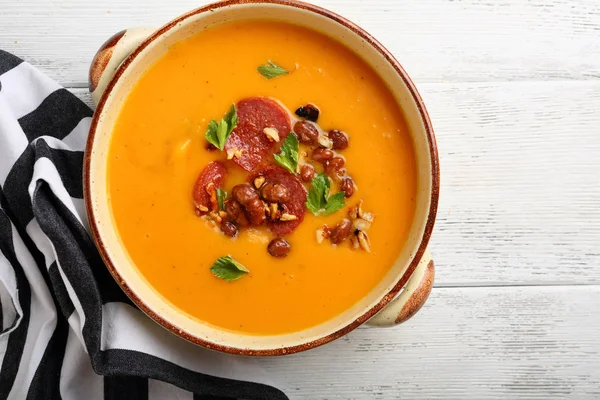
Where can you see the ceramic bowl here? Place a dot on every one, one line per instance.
(118, 65)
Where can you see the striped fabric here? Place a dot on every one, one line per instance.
(67, 331)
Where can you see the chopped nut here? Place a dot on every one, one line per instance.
(324, 141)
(222, 214)
(353, 212)
(237, 153)
(272, 134)
(359, 210)
(274, 211)
(258, 182)
(364, 242)
(202, 208)
(288, 217)
(361, 224)
(215, 217)
(212, 192)
(369, 217)
(210, 188)
(323, 233)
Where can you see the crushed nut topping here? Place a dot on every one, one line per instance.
(237, 153)
(324, 141)
(323, 233)
(363, 240)
(274, 212)
(215, 217)
(272, 134)
(202, 208)
(258, 182)
(361, 224)
(369, 217)
(212, 192)
(288, 217)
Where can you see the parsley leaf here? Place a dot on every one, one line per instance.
(218, 132)
(221, 196)
(317, 196)
(334, 203)
(318, 201)
(271, 70)
(288, 156)
(228, 269)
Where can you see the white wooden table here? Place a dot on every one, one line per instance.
(513, 89)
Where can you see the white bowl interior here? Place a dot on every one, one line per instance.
(98, 173)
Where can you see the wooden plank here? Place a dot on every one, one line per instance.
(479, 343)
(520, 187)
(436, 40)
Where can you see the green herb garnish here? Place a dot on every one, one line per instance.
(218, 132)
(271, 70)
(319, 201)
(221, 196)
(288, 156)
(228, 269)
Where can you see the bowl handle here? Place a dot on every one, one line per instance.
(111, 54)
(411, 299)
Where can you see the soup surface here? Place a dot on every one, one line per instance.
(159, 148)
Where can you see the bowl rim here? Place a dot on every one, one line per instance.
(390, 295)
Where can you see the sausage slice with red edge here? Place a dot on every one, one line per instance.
(214, 173)
(248, 143)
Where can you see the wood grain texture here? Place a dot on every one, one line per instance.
(475, 343)
(436, 40)
(513, 89)
(520, 188)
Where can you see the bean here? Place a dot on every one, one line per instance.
(253, 206)
(279, 248)
(307, 173)
(229, 229)
(309, 111)
(339, 139)
(322, 155)
(347, 186)
(341, 231)
(274, 192)
(235, 213)
(233, 209)
(255, 211)
(243, 194)
(307, 132)
(334, 166)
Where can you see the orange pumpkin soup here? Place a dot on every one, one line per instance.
(306, 263)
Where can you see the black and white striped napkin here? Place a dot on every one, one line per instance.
(67, 330)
